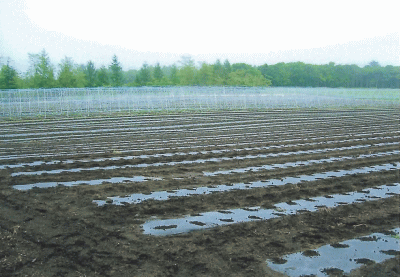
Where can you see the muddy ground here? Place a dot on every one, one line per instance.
(59, 231)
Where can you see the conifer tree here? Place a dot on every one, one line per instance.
(116, 72)
(102, 77)
(90, 74)
(8, 77)
(41, 72)
(66, 78)
(158, 74)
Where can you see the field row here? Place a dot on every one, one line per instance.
(212, 122)
(98, 143)
(189, 119)
(202, 196)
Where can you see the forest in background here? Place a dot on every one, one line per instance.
(67, 74)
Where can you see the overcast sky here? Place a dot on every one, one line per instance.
(255, 32)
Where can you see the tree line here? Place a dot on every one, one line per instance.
(67, 74)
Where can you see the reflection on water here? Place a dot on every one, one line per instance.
(298, 163)
(165, 195)
(271, 155)
(340, 258)
(83, 182)
(216, 218)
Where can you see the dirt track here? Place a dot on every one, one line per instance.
(60, 231)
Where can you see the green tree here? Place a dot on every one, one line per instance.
(241, 66)
(393, 76)
(158, 74)
(264, 69)
(341, 76)
(218, 69)
(174, 76)
(116, 72)
(90, 74)
(278, 73)
(41, 73)
(297, 74)
(355, 75)
(219, 76)
(80, 76)
(102, 77)
(66, 78)
(129, 77)
(373, 75)
(227, 69)
(327, 71)
(187, 72)
(144, 77)
(250, 77)
(205, 75)
(373, 64)
(8, 77)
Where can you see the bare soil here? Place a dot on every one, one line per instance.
(59, 231)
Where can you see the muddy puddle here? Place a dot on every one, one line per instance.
(340, 258)
(165, 195)
(233, 216)
(298, 163)
(113, 180)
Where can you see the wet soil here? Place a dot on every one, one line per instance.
(60, 231)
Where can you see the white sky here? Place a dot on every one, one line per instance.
(254, 32)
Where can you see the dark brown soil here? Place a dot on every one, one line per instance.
(59, 231)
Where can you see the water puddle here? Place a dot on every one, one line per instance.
(113, 180)
(213, 219)
(298, 163)
(340, 258)
(137, 198)
(198, 161)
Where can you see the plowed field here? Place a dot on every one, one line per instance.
(194, 194)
